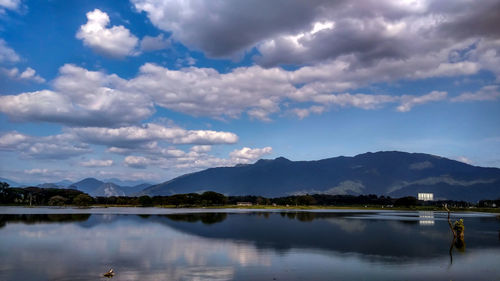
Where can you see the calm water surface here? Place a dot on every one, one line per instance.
(196, 244)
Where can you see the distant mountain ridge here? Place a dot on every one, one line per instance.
(391, 173)
(11, 182)
(96, 187)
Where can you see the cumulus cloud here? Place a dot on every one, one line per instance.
(93, 98)
(201, 148)
(92, 163)
(308, 32)
(116, 41)
(487, 93)
(259, 92)
(228, 27)
(7, 54)
(61, 146)
(28, 74)
(137, 162)
(246, 154)
(206, 92)
(142, 146)
(197, 158)
(149, 133)
(80, 98)
(149, 43)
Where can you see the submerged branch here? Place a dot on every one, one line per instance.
(449, 221)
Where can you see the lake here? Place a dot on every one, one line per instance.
(227, 244)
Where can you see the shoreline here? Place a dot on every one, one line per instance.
(267, 207)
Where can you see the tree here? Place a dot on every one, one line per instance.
(57, 200)
(4, 192)
(83, 200)
(406, 201)
(145, 201)
(213, 198)
(306, 200)
(3, 185)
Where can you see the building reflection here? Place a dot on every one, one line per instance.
(426, 217)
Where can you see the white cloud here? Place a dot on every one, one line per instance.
(81, 98)
(116, 41)
(92, 98)
(197, 158)
(206, 92)
(137, 162)
(134, 136)
(28, 74)
(363, 101)
(149, 43)
(10, 140)
(246, 154)
(7, 54)
(464, 160)
(10, 4)
(487, 93)
(61, 146)
(201, 148)
(407, 102)
(302, 113)
(37, 171)
(92, 163)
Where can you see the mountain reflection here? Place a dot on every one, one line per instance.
(420, 236)
(291, 245)
(205, 218)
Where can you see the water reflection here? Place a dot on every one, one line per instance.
(205, 218)
(243, 246)
(41, 218)
(426, 217)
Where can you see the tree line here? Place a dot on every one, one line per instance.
(35, 196)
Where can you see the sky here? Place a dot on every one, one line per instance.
(148, 90)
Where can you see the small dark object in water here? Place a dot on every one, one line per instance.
(109, 274)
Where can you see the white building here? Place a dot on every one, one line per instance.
(426, 196)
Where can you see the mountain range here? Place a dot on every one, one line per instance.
(96, 187)
(389, 173)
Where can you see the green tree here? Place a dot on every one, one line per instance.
(213, 198)
(57, 200)
(83, 200)
(145, 201)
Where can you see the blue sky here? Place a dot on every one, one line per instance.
(148, 90)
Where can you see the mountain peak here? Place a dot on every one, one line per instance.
(278, 160)
(282, 159)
